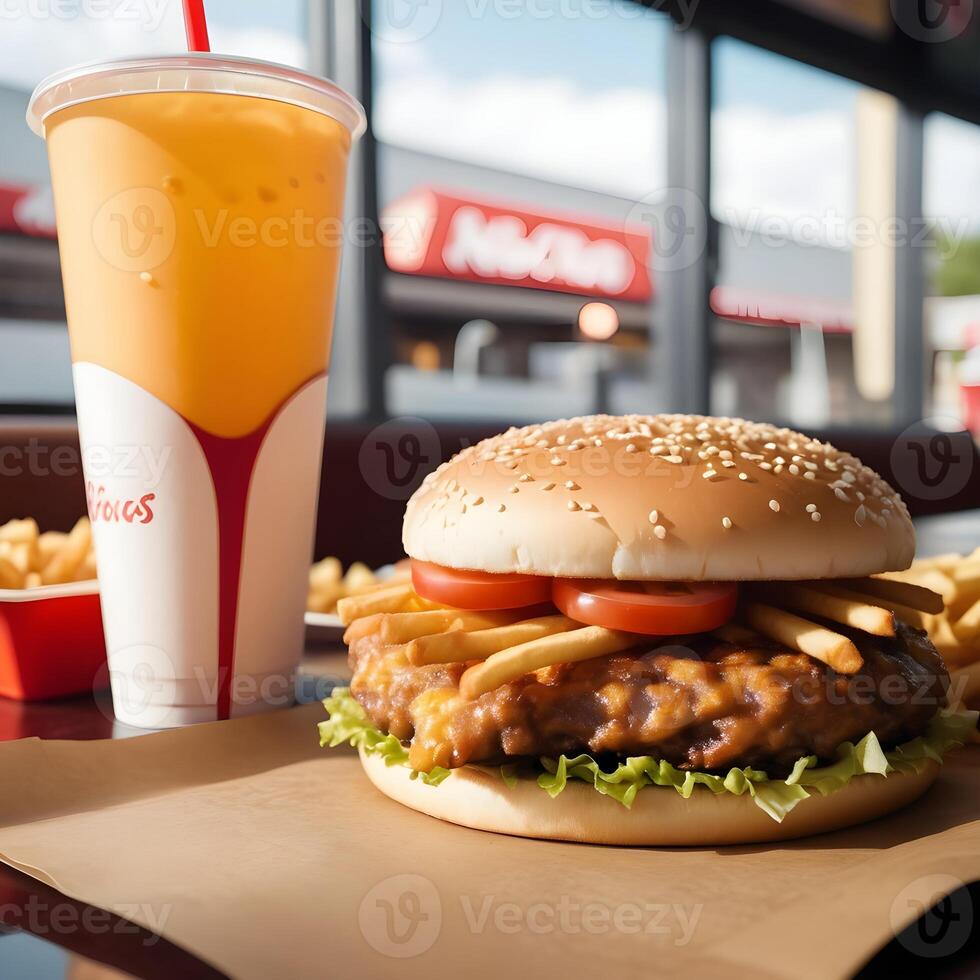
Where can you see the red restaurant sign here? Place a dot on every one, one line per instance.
(26, 209)
(432, 233)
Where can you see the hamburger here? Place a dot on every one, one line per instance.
(649, 630)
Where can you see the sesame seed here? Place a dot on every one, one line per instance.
(848, 477)
(514, 488)
(809, 476)
(146, 277)
(708, 475)
(630, 447)
(501, 508)
(572, 485)
(815, 516)
(588, 506)
(810, 508)
(557, 461)
(660, 531)
(548, 486)
(765, 466)
(572, 505)
(525, 478)
(726, 522)
(743, 476)
(860, 515)
(794, 469)
(840, 495)
(774, 506)
(673, 459)
(770, 445)
(477, 502)
(727, 463)
(654, 516)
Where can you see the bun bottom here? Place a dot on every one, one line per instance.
(480, 800)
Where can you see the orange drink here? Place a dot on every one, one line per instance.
(199, 206)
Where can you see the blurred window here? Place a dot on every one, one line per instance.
(951, 199)
(548, 108)
(789, 185)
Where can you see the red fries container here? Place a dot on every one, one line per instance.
(51, 641)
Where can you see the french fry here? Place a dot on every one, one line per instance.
(396, 628)
(734, 633)
(48, 544)
(914, 617)
(458, 647)
(359, 578)
(19, 553)
(326, 572)
(558, 648)
(849, 612)
(10, 576)
(86, 570)
(62, 566)
(837, 651)
(386, 599)
(19, 531)
(32, 580)
(967, 627)
(902, 593)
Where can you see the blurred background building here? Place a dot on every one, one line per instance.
(769, 209)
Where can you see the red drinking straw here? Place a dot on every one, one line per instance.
(196, 26)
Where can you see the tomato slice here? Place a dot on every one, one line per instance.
(478, 590)
(652, 608)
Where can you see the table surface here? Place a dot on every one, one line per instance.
(36, 942)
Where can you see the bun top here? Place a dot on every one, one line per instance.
(683, 497)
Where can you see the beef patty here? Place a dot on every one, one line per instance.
(702, 704)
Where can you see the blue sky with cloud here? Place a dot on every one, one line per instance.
(578, 99)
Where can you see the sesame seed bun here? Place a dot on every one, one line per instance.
(659, 817)
(682, 497)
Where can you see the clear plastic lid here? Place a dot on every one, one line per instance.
(193, 72)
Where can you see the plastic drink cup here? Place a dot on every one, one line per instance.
(199, 207)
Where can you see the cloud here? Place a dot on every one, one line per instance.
(34, 42)
(609, 140)
(766, 163)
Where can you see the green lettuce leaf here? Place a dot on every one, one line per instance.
(348, 724)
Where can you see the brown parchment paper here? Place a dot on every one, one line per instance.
(266, 856)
